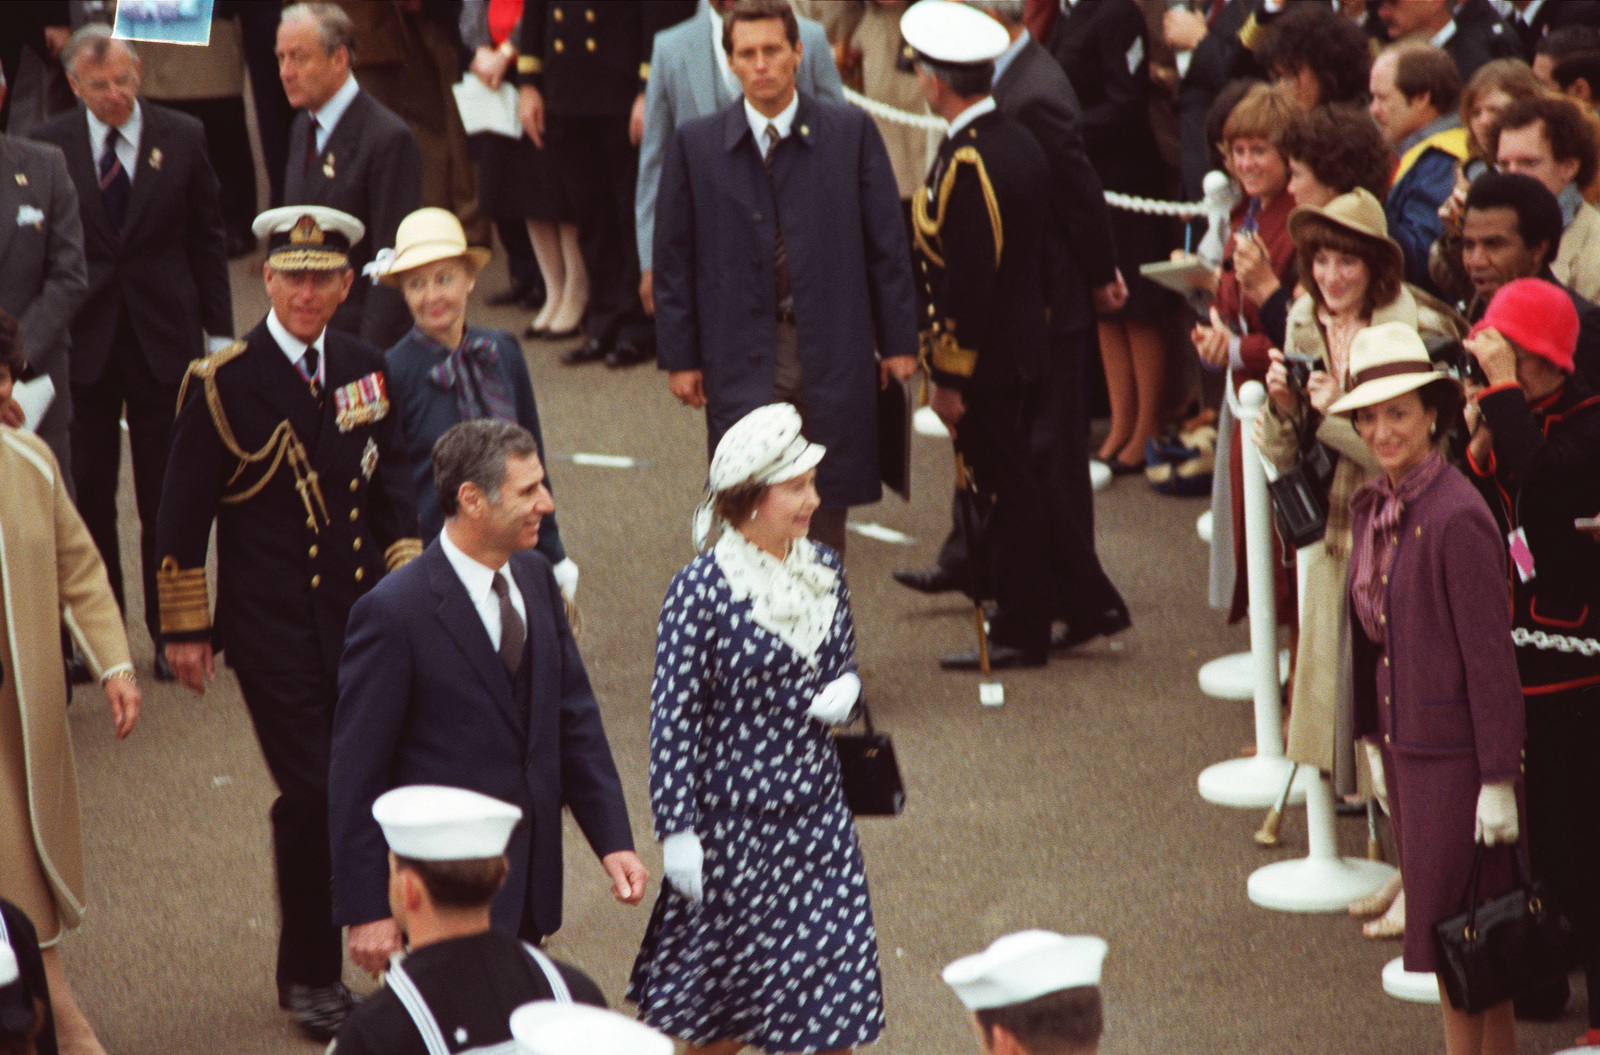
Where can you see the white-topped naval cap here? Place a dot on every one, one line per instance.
(1025, 965)
(308, 237)
(431, 822)
(955, 33)
(545, 1027)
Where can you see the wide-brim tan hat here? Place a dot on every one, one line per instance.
(1358, 212)
(426, 236)
(1387, 360)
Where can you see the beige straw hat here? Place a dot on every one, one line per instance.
(1358, 212)
(1385, 361)
(423, 237)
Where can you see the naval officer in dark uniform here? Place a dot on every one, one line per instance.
(460, 980)
(981, 229)
(287, 442)
(581, 74)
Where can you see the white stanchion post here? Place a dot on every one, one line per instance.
(1256, 783)
(1322, 881)
(1419, 987)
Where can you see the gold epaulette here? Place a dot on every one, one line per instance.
(530, 64)
(185, 601)
(206, 367)
(950, 358)
(926, 225)
(401, 552)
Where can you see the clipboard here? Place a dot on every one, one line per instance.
(1188, 277)
(894, 438)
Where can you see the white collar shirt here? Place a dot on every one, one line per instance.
(1004, 60)
(479, 582)
(127, 145)
(759, 121)
(724, 70)
(295, 349)
(1445, 35)
(971, 114)
(1529, 13)
(328, 117)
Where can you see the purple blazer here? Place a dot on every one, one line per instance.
(1442, 692)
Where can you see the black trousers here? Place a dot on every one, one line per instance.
(97, 411)
(993, 438)
(599, 167)
(293, 716)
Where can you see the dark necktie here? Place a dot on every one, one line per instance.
(311, 143)
(780, 259)
(512, 631)
(114, 182)
(310, 361)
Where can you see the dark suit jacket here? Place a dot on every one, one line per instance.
(1480, 35)
(1218, 59)
(849, 266)
(42, 273)
(167, 268)
(1553, 15)
(377, 178)
(1096, 43)
(424, 699)
(1035, 93)
(284, 584)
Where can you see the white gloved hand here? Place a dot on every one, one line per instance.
(836, 701)
(682, 860)
(1497, 814)
(566, 574)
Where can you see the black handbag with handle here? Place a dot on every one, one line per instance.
(869, 772)
(1507, 946)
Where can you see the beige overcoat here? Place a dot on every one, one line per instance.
(51, 575)
(1577, 262)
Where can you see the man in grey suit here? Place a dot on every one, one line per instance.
(349, 152)
(43, 277)
(810, 301)
(690, 77)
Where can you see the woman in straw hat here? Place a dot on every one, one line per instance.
(445, 372)
(1354, 274)
(1435, 675)
(762, 934)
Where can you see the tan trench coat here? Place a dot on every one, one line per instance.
(1577, 262)
(51, 575)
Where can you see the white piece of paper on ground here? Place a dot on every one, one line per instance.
(606, 461)
(872, 529)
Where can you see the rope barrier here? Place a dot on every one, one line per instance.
(931, 123)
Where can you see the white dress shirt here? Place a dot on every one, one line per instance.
(971, 114)
(333, 109)
(759, 121)
(479, 581)
(295, 348)
(127, 146)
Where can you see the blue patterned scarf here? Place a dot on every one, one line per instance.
(469, 372)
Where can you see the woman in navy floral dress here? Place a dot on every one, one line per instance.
(762, 934)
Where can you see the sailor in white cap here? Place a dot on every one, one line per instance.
(548, 1028)
(1034, 992)
(456, 989)
(285, 441)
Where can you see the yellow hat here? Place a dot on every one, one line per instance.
(427, 235)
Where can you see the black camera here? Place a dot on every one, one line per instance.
(1452, 355)
(1300, 372)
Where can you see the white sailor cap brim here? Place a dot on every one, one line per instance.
(431, 822)
(545, 1027)
(1022, 966)
(954, 33)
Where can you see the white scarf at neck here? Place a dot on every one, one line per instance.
(793, 598)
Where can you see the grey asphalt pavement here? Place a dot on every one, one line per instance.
(1071, 807)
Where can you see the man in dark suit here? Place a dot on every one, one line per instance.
(43, 278)
(158, 286)
(581, 75)
(790, 306)
(984, 264)
(1533, 20)
(1031, 89)
(349, 152)
(287, 442)
(1471, 31)
(462, 671)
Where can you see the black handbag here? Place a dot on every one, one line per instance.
(1507, 946)
(1300, 496)
(869, 772)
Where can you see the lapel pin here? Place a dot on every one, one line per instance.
(327, 166)
(22, 179)
(805, 130)
(155, 157)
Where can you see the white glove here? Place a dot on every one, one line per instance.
(1497, 814)
(835, 701)
(682, 860)
(566, 574)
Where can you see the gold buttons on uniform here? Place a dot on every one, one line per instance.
(313, 549)
(1386, 661)
(589, 43)
(355, 485)
(558, 46)
(588, 14)
(355, 513)
(360, 573)
(1419, 531)
(557, 14)
(356, 545)
(316, 580)
(1386, 580)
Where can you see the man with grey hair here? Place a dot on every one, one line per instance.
(158, 287)
(461, 669)
(349, 152)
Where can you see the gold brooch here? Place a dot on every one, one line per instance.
(805, 130)
(155, 157)
(327, 166)
(22, 179)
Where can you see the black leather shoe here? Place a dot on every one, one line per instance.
(927, 580)
(1080, 631)
(319, 1010)
(624, 355)
(78, 670)
(1001, 657)
(163, 669)
(590, 351)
